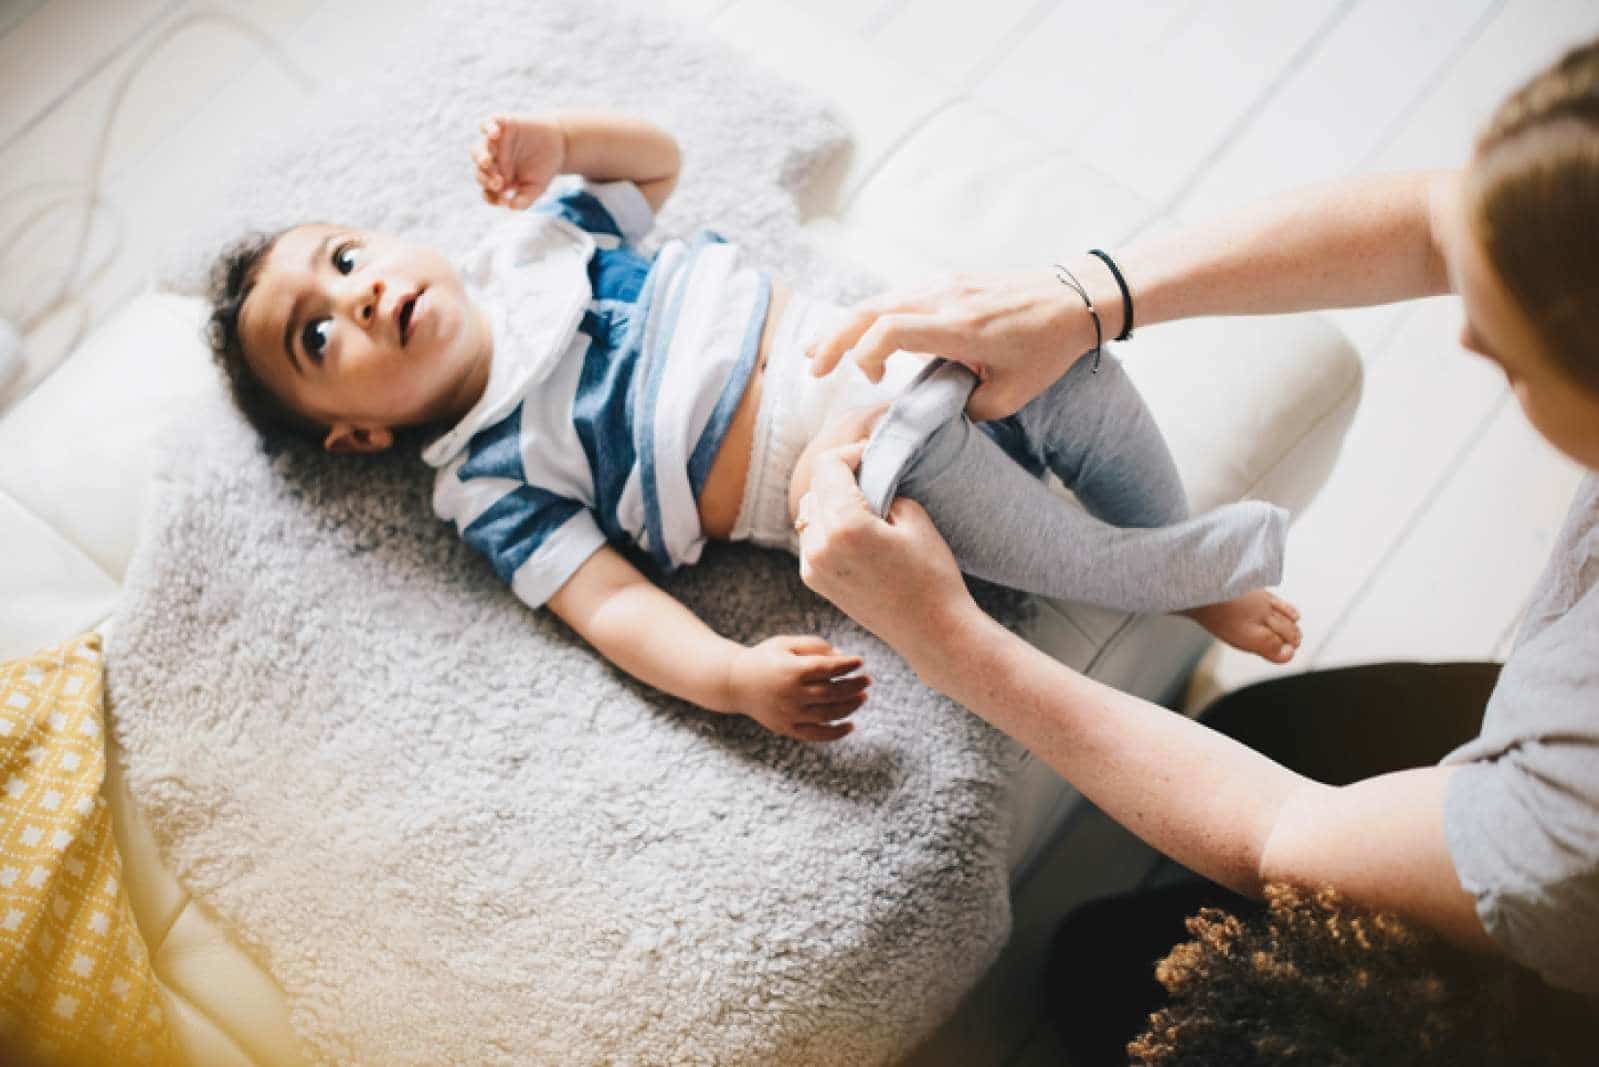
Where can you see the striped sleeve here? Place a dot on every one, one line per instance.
(616, 209)
(534, 539)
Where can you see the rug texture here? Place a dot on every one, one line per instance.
(452, 832)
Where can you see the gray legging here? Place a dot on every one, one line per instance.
(1133, 549)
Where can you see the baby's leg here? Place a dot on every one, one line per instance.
(1005, 525)
(1095, 432)
(1092, 429)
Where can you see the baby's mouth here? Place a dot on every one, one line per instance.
(406, 311)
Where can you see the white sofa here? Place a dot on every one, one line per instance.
(937, 180)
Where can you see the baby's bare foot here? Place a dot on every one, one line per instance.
(1256, 622)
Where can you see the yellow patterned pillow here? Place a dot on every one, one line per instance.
(75, 980)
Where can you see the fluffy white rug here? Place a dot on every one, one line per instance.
(452, 832)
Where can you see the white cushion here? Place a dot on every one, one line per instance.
(1251, 407)
(79, 451)
(49, 590)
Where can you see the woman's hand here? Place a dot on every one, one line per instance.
(795, 686)
(518, 158)
(896, 577)
(841, 428)
(1017, 332)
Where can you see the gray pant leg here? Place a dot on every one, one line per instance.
(1091, 429)
(935, 397)
(1095, 432)
(1006, 526)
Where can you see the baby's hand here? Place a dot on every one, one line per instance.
(518, 158)
(794, 686)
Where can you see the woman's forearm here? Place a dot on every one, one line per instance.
(1207, 801)
(1199, 797)
(1369, 240)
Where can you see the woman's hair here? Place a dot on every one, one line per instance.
(1532, 195)
(1317, 980)
(232, 277)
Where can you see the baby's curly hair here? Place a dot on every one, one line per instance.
(1317, 980)
(232, 277)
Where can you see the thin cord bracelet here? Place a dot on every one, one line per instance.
(1068, 279)
(1127, 294)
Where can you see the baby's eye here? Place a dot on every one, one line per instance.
(344, 257)
(314, 338)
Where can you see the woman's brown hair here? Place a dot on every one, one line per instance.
(1532, 192)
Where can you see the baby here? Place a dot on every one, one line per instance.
(589, 407)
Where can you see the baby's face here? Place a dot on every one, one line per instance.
(364, 332)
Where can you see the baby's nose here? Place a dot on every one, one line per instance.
(368, 299)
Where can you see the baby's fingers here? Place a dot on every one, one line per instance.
(826, 668)
(838, 709)
(488, 173)
(818, 731)
(839, 689)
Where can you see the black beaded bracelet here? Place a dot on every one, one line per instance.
(1127, 296)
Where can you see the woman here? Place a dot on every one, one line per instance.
(1497, 848)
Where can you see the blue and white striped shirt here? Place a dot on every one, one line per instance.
(614, 380)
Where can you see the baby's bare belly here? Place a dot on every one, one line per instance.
(724, 485)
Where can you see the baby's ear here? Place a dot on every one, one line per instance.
(345, 437)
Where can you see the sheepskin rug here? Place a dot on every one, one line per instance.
(451, 831)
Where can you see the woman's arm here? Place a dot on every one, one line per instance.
(795, 686)
(1368, 240)
(1206, 800)
(1202, 798)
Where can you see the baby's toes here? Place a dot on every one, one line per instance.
(1283, 606)
(1274, 646)
(1284, 627)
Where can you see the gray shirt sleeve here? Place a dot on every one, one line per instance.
(1521, 814)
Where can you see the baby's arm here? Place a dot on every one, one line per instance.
(793, 686)
(521, 154)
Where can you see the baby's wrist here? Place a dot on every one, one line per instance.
(563, 132)
(725, 697)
